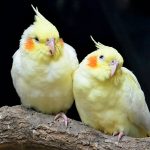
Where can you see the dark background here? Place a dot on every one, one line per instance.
(122, 24)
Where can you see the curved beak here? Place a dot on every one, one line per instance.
(113, 66)
(51, 44)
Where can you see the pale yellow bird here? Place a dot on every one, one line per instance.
(43, 68)
(108, 96)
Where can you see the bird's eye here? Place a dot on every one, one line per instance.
(36, 39)
(101, 57)
(112, 62)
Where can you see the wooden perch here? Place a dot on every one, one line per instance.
(25, 129)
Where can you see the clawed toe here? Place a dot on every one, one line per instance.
(65, 119)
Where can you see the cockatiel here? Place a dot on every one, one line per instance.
(43, 67)
(108, 96)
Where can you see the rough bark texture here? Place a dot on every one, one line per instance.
(25, 129)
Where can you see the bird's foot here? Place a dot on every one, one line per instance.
(65, 119)
(119, 134)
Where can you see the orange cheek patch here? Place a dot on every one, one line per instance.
(60, 42)
(92, 61)
(29, 45)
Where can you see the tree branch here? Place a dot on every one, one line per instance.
(25, 129)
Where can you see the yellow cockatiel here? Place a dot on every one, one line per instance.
(108, 96)
(43, 68)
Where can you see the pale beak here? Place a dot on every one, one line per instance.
(51, 44)
(113, 66)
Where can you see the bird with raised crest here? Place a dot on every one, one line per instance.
(43, 67)
(108, 96)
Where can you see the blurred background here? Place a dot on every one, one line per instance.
(122, 24)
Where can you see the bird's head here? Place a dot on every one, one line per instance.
(41, 40)
(104, 63)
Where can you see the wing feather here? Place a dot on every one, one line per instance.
(71, 56)
(137, 108)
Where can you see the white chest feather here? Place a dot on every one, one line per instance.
(45, 87)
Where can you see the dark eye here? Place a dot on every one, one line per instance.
(36, 39)
(101, 57)
(113, 62)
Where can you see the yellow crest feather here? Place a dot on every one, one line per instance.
(36, 10)
(42, 23)
(97, 44)
(39, 17)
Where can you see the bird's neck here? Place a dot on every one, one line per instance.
(116, 78)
